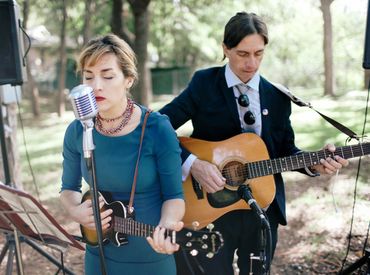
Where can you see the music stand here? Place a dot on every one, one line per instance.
(24, 219)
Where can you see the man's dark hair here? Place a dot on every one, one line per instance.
(241, 25)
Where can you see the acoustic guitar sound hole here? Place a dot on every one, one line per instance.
(234, 173)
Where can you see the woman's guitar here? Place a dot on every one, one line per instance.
(243, 159)
(123, 224)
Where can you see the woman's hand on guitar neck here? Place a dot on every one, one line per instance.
(162, 243)
(208, 176)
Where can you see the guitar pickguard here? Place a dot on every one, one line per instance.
(231, 169)
(223, 198)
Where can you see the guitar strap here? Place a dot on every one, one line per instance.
(131, 202)
(301, 103)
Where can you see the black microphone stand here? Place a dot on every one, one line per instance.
(88, 148)
(358, 264)
(245, 193)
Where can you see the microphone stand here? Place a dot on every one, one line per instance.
(245, 193)
(88, 148)
(358, 264)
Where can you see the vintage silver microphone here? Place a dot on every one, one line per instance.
(85, 109)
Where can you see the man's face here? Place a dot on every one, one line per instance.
(246, 57)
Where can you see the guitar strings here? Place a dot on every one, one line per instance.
(273, 166)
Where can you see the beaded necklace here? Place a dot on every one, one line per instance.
(126, 116)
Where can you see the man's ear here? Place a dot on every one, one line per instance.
(225, 50)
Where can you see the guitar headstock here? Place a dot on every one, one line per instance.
(202, 241)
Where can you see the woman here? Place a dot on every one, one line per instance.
(108, 65)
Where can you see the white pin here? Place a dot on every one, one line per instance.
(265, 112)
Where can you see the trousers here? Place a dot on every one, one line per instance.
(241, 232)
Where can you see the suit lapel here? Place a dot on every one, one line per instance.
(228, 95)
(265, 102)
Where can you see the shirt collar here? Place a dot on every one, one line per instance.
(232, 79)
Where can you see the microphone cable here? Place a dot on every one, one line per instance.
(26, 148)
(355, 190)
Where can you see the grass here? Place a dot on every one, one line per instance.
(44, 137)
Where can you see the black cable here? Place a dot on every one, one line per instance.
(356, 183)
(269, 245)
(352, 217)
(366, 239)
(187, 262)
(26, 149)
(62, 262)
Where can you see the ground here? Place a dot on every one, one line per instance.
(314, 241)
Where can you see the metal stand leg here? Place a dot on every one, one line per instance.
(358, 264)
(3, 252)
(48, 256)
(10, 247)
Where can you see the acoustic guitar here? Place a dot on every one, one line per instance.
(123, 224)
(243, 159)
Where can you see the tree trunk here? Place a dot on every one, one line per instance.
(13, 152)
(89, 9)
(31, 86)
(63, 62)
(9, 159)
(117, 23)
(143, 90)
(328, 47)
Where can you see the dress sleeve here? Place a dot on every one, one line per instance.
(71, 177)
(168, 159)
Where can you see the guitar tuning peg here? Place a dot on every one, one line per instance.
(210, 255)
(195, 225)
(194, 252)
(210, 226)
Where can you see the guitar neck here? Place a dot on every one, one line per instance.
(138, 229)
(307, 159)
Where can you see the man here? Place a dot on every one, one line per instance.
(223, 102)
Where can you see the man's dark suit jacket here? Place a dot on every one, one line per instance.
(212, 108)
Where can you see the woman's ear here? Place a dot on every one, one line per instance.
(130, 82)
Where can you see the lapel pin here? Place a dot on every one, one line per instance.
(265, 112)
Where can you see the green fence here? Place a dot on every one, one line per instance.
(169, 80)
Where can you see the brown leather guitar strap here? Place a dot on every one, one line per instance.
(131, 202)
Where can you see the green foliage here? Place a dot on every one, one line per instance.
(189, 33)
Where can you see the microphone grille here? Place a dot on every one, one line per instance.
(83, 102)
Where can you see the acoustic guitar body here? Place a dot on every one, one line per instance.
(230, 156)
(90, 235)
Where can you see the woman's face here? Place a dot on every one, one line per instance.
(109, 84)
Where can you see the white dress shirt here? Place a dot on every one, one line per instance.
(251, 89)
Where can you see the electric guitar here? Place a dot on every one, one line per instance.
(244, 159)
(123, 224)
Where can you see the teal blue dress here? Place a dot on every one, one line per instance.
(159, 179)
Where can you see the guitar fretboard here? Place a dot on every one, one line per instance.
(307, 159)
(134, 228)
